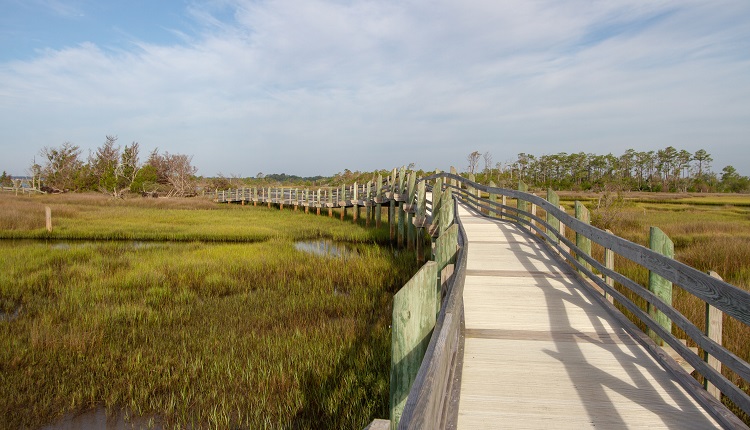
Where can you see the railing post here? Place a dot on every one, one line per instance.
(392, 207)
(471, 191)
(368, 204)
(553, 199)
(421, 220)
(319, 202)
(565, 247)
(662, 288)
(413, 321)
(493, 199)
(609, 263)
(521, 204)
(454, 172)
(355, 201)
(329, 201)
(714, 332)
(307, 201)
(411, 233)
(342, 201)
(446, 247)
(378, 204)
(400, 206)
(583, 243)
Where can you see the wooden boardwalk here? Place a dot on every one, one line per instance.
(540, 352)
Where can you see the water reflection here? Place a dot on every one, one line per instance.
(325, 248)
(97, 419)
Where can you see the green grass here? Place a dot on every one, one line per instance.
(196, 333)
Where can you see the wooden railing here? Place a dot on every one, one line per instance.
(427, 346)
(718, 295)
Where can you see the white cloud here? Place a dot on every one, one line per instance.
(319, 86)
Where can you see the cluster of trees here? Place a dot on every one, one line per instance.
(668, 169)
(114, 170)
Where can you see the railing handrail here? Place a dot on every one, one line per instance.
(724, 296)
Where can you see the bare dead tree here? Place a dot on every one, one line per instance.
(487, 164)
(473, 160)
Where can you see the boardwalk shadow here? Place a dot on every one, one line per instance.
(608, 397)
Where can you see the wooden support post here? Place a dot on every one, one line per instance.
(255, 195)
(392, 217)
(420, 220)
(562, 233)
(554, 199)
(280, 198)
(447, 211)
(368, 204)
(493, 199)
(48, 218)
(329, 202)
(662, 288)
(714, 331)
(504, 203)
(609, 263)
(472, 191)
(412, 323)
(355, 201)
(533, 213)
(318, 202)
(268, 197)
(454, 172)
(411, 192)
(521, 204)
(378, 205)
(446, 247)
(582, 242)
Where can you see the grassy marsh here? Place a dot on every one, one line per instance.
(200, 332)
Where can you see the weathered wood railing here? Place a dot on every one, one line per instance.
(718, 295)
(426, 330)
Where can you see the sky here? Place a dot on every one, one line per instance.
(314, 87)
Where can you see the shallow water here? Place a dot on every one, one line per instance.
(325, 248)
(97, 419)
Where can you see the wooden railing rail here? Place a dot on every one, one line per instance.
(716, 293)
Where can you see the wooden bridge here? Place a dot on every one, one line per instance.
(513, 323)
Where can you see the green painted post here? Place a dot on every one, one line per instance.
(411, 192)
(662, 288)
(420, 220)
(437, 195)
(392, 207)
(454, 172)
(447, 210)
(522, 205)
(554, 199)
(446, 247)
(582, 242)
(411, 329)
(493, 199)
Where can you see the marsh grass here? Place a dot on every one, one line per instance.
(198, 334)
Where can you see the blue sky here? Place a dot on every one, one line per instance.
(315, 87)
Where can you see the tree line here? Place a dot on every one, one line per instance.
(113, 170)
(668, 169)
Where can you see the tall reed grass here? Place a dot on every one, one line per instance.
(195, 333)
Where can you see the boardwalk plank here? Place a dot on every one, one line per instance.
(540, 353)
